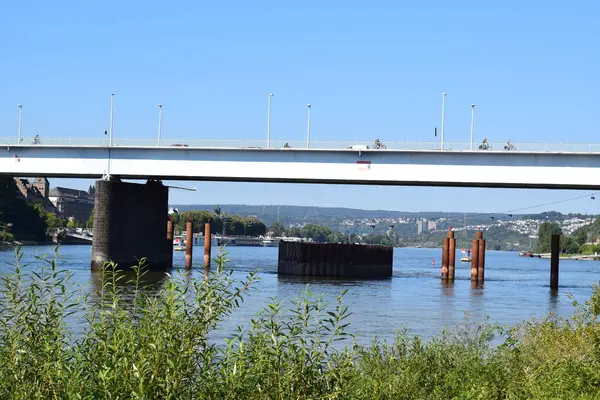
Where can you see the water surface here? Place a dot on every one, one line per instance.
(515, 288)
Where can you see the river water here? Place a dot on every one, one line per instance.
(515, 289)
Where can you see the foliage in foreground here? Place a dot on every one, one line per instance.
(131, 342)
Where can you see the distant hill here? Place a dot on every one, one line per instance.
(333, 216)
(503, 231)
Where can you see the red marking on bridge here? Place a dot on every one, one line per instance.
(364, 165)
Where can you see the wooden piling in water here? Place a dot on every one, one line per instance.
(451, 255)
(481, 261)
(207, 244)
(445, 258)
(189, 244)
(474, 259)
(554, 257)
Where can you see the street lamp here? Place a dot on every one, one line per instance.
(20, 122)
(112, 97)
(443, 109)
(269, 121)
(472, 123)
(159, 122)
(308, 132)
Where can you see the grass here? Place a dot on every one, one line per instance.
(135, 343)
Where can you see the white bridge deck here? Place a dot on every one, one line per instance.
(545, 165)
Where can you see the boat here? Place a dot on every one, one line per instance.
(466, 256)
(529, 254)
(247, 241)
(269, 242)
(179, 248)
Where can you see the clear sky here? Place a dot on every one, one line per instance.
(369, 69)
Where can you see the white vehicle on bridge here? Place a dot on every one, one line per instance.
(358, 147)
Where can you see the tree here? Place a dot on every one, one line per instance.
(276, 229)
(547, 229)
(90, 221)
(53, 221)
(27, 222)
(569, 245)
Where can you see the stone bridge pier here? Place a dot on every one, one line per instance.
(130, 223)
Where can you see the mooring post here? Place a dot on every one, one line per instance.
(474, 259)
(481, 261)
(170, 234)
(189, 243)
(554, 257)
(451, 255)
(445, 258)
(207, 244)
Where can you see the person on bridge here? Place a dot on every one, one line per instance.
(36, 139)
(484, 145)
(508, 146)
(286, 146)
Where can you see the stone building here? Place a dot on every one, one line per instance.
(72, 203)
(35, 191)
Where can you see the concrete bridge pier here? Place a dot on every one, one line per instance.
(129, 224)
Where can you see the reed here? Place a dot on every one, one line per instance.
(129, 342)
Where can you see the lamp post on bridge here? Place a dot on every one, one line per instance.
(308, 132)
(112, 97)
(443, 109)
(20, 122)
(269, 121)
(472, 123)
(159, 122)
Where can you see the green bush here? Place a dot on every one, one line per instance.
(136, 343)
(6, 236)
(589, 249)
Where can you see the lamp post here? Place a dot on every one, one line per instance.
(308, 131)
(269, 121)
(472, 123)
(20, 122)
(159, 122)
(443, 109)
(112, 97)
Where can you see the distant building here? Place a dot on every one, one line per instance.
(421, 224)
(432, 225)
(35, 191)
(73, 203)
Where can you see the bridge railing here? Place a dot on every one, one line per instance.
(454, 146)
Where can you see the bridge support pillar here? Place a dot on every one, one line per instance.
(129, 224)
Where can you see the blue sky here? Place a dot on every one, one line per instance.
(369, 69)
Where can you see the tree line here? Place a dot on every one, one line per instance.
(220, 224)
(579, 242)
(321, 234)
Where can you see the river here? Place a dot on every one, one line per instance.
(515, 289)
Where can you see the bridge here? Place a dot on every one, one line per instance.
(130, 220)
(531, 165)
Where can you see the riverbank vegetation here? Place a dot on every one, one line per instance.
(19, 220)
(136, 340)
(220, 224)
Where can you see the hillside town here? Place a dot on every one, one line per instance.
(521, 225)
